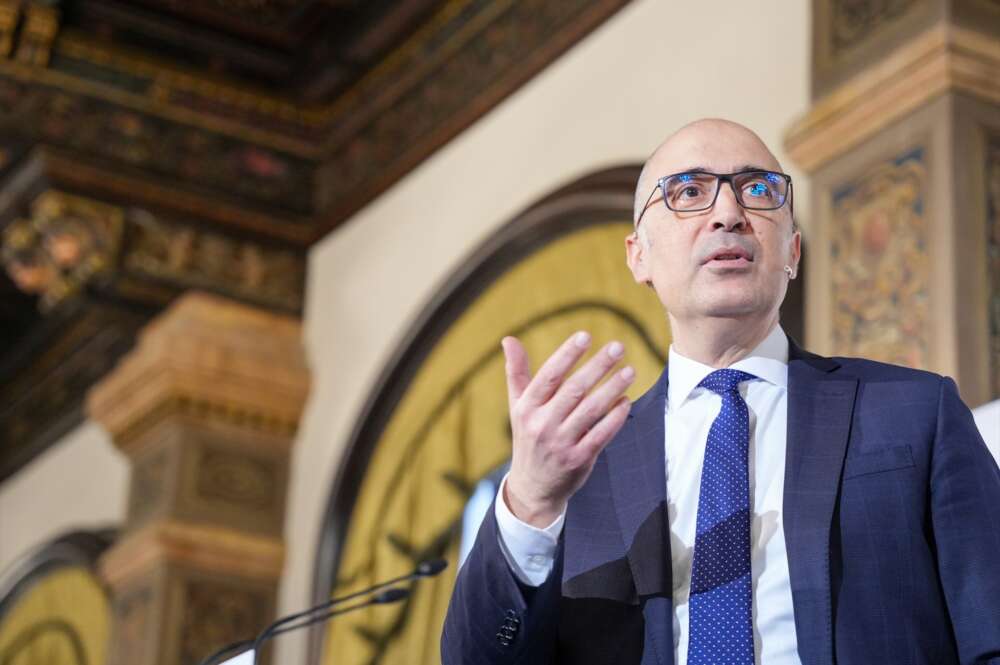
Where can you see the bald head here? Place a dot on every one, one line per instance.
(723, 266)
(713, 144)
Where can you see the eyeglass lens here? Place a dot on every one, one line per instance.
(755, 190)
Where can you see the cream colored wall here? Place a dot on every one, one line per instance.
(609, 101)
(81, 482)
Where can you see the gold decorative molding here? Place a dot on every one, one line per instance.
(198, 257)
(170, 78)
(209, 549)
(170, 82)
(945, 58)
(71, 172)
(214, 356)
(153, 104)
(10, 14)
(41, 23)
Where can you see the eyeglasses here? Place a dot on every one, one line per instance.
(694, 191)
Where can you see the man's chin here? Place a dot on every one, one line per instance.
(733, 308)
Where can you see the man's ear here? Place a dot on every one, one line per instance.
(796, 252)
(635, 256)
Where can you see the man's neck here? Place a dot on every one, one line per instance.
(719, 342)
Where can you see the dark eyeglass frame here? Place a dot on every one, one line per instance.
(720, 178)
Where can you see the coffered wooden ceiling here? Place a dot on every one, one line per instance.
(152, 146)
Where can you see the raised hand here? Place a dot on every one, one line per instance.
(560, 425)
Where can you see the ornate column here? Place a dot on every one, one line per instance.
(903, 146)
(206, 408)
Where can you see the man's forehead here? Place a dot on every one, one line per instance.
(719, 147)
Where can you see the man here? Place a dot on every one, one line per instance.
(759, 503)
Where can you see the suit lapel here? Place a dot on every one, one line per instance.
(820, 409)
(638, 488)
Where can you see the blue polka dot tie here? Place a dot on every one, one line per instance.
(720, 605)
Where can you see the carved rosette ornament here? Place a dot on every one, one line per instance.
(65, 243)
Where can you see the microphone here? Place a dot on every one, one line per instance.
(386, 597)
(428, 568)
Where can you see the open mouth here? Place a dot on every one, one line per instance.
(730, 257)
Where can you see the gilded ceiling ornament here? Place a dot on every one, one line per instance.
(41, 23)
(10, 12)
(63, 245)
(196, 257)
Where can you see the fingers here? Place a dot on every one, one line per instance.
(597, 404)
(517, 367)
(574, 389)
(551, 374)
(603, 431)
(557, 429)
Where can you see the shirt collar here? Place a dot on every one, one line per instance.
(768, 361)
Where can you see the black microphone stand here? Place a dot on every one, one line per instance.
(383, 598)
(423, 569)
(322, 611)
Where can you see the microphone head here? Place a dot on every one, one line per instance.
(430, 568)
(393, 595)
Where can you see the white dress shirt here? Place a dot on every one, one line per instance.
(690, 411)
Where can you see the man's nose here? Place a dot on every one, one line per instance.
(727, 213)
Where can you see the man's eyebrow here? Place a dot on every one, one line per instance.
(739, 169)
(751, 167)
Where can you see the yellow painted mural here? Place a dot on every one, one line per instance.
(63, 619)
(451, 429)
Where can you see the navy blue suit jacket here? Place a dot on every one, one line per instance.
(892, 528)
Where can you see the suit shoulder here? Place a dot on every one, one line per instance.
(873, 370)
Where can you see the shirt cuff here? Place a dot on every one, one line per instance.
(529, 551)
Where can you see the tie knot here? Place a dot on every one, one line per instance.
(723, 381)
